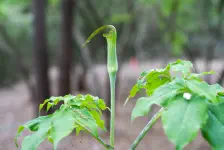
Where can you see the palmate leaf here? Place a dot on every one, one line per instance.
(204, 89)
(181, 66)
(199, 76)
(185, 98)
(162, 96)
(220, 97)
(153, 79)
(182, 119)
(33, 141)
(142, 107)
(213, 131)
(62, 124)
(34, 125)
(81, 112)
(160, 76)
(150, 81)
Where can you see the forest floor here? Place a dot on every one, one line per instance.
(16, 109)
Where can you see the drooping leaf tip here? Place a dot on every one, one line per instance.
(16, 143)
(84, 45)
(126, 101)
(108, 108)
(97, 31)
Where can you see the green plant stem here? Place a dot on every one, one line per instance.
(107, 146)
(112, 67)
(112, 102)
(146, 129)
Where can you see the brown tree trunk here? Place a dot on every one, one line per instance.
(65, 54)
(40, 54)
(221, 77)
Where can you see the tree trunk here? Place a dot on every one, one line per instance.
(65, 54)
(220, 79)
(40, 54)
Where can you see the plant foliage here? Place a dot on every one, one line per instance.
(77, 112)
(190, 103)
(81, 112)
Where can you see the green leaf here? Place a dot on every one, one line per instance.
(98, 119)
(142, 107)
(181, 66)
(220, 97)
(204, 89)
(213, 131)
(52, 101)
(63, 124)
(133, 92)
(162, 96)
(33, 125)
(165, 94)
(19, 130)
(185, 98)
(65, 99)
(182, 119)
(78, 129)
(42, 105)
(33, 141)
(82, 112)
(155, 79)
(84, 118)
(150, 81)
(49, 105)
(199, 76)
(101, 104)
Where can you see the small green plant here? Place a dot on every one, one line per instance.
(81, 112)
(188, 104)
(112, 67)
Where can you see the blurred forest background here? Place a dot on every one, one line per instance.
(41, 53)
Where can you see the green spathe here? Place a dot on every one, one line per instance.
(112, 68)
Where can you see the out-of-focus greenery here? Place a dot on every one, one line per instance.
(183, 22)
(16, 36)
(145, 29)
(14, 29)
(186, 100)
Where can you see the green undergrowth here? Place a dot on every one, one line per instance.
(190, 104)
(79, 113)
